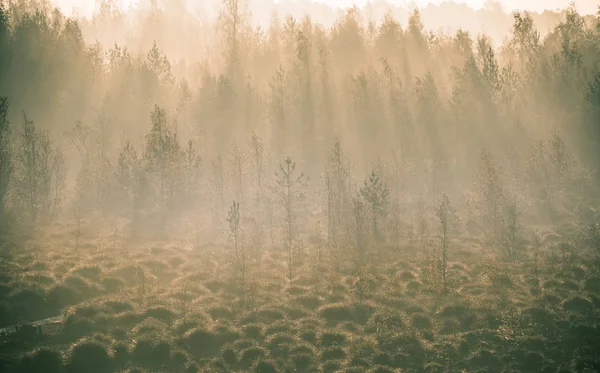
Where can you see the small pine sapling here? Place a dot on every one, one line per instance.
(536, 244)
(490, 194)
(359, 213)
(257, 150)
(218, 182)
(233, 218)
(193, 164)
(512, 228)
(445, 214)
(237, 165)
(290, 191)
(375, 193)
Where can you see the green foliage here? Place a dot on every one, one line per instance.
(375, 194)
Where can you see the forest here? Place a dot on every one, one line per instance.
(193, 194)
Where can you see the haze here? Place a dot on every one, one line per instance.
(299, 187)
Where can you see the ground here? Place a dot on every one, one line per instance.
(133, 306)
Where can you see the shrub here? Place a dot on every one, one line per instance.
(179, 359)
(380, 369)
(229, 356)
(578, 304)
(280, 344)
(310, 302)
(303, 362)
(220, 313)
(329, 339)
(265, 366)
(252, 354)
(161, 313)
(333, 353)
(161, 355)
(112, 284)
(421, 321)
(121, 354)
(61, 296)
(336, 313)
(269, 315)
(203, 343)
(592, 285)
(118, 306)
(92, 273)
(254, 331)
(89, 357)
(41, 361)
(143, 352)
(331, 366)
(76, 327)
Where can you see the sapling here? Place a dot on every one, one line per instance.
(337, 177)
(444, 212)
(193, 163)
(217, 171)
(512, 227)
(375, 193)
(257, 149)
(490, 193)
(78, 222)
(421, 221)
(359, 212)
(290, 191)
(237, 164)
(535, 248)
(233, 218)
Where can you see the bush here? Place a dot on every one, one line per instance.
(161, 355)
(112, 284)
(89, 357)
(61, 296)
(578, 305)
(229, 356)
(265, 366)
(118, 306)
(592, 285)
(330, 339)
(143, 352)
(220, 313)
(254, 331)
(336, 313)
(76, 327)
(179, 359)
(251, 355)
(203, 343)
(41, 361)
(421, 321)
(333, 353)
(161, 313)
(121, 354)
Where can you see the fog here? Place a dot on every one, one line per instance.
(326, 139)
